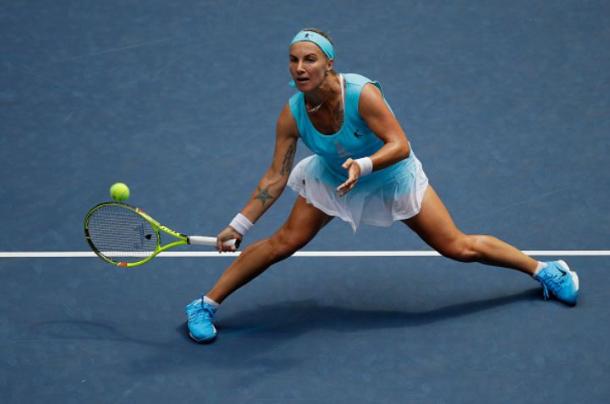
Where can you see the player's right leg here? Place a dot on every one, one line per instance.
(302, 225)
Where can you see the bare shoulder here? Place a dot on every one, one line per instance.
(371, 100)
(286, 124)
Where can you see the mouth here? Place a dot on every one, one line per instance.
(302, 80)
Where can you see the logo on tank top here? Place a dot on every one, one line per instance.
(341, 150)
(358, 134)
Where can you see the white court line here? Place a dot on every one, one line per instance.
(213, 254)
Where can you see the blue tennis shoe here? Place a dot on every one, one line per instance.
(557, 280)
(200, 325)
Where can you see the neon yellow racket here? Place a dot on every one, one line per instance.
(126, 236)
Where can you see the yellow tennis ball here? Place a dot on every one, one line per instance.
(119, 191)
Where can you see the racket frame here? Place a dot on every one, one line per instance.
(182, 239)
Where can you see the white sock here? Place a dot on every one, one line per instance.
(540, 267)
(211, 302)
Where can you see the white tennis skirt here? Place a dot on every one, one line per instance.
(379, 199)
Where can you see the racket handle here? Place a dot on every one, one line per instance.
(211, 241)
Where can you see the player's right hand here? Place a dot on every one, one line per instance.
(353, 171)
(227, 234)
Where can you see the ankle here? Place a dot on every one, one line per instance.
(539, 267)
(211, 302)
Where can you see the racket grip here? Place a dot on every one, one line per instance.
(211, 241)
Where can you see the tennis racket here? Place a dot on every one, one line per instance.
(126, 236)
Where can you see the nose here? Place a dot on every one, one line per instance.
(300, 68)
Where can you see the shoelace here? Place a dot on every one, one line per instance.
(554, 282)
(199, 314)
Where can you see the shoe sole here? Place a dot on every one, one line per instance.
(202, 341)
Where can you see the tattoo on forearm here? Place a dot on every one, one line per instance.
(263, 195)
(288, 160)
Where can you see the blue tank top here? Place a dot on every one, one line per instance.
(353, 140)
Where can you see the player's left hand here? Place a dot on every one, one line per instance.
(353, 173)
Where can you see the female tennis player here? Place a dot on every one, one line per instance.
(363, 170)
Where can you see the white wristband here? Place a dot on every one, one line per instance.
(366, 165)
(241, 224)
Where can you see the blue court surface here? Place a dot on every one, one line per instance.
(507, 105)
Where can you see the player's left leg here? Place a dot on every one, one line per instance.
(434, 225)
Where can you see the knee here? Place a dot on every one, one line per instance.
(284, 243)
(463, 248)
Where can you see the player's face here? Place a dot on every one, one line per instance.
(308, 65)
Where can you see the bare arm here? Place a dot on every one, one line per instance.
(273, 182)
(383, 123)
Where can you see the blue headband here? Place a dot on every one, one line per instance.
(322, 43)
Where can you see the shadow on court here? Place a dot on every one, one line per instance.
(286, 320)
(251, 332)
(83, 330)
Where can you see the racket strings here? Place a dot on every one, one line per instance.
(121, 234)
